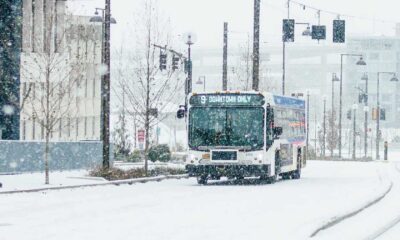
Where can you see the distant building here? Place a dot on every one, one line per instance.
(382, 54)
(10, 50)
(76, 44)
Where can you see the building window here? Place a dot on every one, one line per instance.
(77, 127)
(60, 129)
(93, 125)
(33, 129)
(69, 127)
(41, 130)
(23, 129)
(85, 126)
(94, 86)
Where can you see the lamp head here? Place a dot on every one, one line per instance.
(394, 78)
(361, 62)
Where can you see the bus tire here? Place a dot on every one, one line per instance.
(278, 167)
(202, 180)
(272, 180)
(285, 176)
(297, 173)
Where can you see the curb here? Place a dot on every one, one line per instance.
(115, 183)
(335, 220)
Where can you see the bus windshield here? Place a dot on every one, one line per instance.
(226, 127)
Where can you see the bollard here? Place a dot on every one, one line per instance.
(385, 150)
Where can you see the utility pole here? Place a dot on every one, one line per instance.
(324, 130)
(225, 59)
(284, 54)
(366, 96)
(354, 131)
(308, 123)
(105, 133)
(256, 45)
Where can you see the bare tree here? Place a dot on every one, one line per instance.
(148, 90)
(54, 69)
(243, 70)
(332, 136)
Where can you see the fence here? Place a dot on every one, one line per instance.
(24, 156)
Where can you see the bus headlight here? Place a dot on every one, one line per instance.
(191, 158)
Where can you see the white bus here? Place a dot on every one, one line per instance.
(245, 134)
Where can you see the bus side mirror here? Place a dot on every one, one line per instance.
(181, 113)
(278, 131)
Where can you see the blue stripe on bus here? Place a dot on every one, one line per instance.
(289, 102)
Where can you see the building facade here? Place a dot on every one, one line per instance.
(10, 50)
(60, 76)
(382, 54)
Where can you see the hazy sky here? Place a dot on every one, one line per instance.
(206, 17)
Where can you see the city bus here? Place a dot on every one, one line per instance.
(245, 134)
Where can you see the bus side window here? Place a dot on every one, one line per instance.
(269, 127)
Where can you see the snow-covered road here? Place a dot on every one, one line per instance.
(181, 209)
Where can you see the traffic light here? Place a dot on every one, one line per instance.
(163, 61)
(153, 112)
(175, 63)
(382, 116)
(374, 113)
(188, 65)
(318, 32)
(349, 114)
(362, 98)
(288, 30)
(339, 31)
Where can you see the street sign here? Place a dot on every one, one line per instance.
(140, 135)
(227, 100)
(318, 32)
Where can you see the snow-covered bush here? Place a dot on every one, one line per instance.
(159, 153)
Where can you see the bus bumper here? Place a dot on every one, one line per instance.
(217, 171)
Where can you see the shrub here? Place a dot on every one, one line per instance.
(135, 156)
(159, 153)
(118, 174)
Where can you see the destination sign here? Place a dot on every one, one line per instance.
(227, 100)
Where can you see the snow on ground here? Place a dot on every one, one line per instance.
(152, 165)
(181, 209)
(369, 223)
(36, 180)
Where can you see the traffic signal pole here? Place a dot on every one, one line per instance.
(105, 131)
(256, 45)
(225, 59)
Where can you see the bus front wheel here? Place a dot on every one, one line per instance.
(202, 180)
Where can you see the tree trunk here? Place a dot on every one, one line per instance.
(46, 158)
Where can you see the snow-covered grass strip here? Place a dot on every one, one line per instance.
(384, 229)
(115, 182)
(337, 219)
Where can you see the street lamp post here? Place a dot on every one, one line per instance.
(106, 21)
(202, 81)
(366, 96)
(354, 131)
(359, 62)
(334, 79)
(307, 123)
(378, 115)
(324, 130)
(190, 39)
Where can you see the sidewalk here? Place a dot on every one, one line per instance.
(36, 180)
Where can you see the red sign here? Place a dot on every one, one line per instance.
(140, 135)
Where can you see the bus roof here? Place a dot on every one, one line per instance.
(270, 98)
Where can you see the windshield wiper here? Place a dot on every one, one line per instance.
(203, 148)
